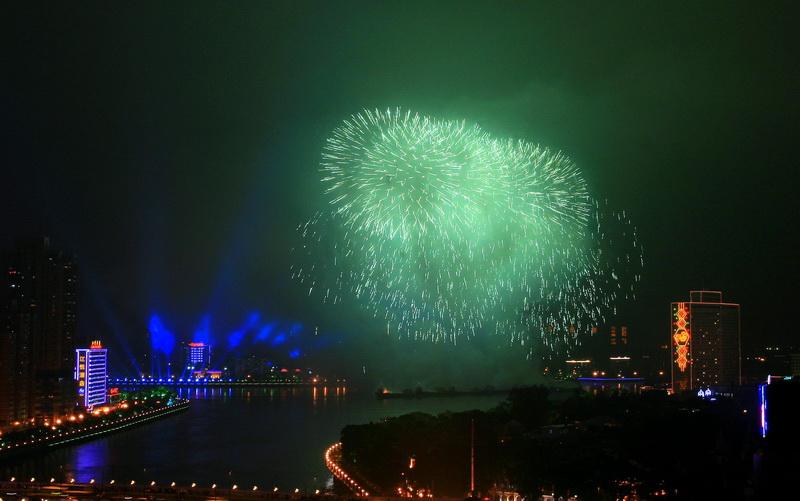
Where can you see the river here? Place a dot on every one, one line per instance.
(266, 437)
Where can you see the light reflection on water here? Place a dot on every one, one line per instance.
(609, 387)
(88, 464)
(258, 436)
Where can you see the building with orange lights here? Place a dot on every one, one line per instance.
(705, 340)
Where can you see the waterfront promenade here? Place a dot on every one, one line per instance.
(112, 490)
(63, 437)
(19, 490)
(14, 490)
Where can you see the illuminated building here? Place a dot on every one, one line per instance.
(794, 364)
(90, 373)
(197, 356)
(778, 399)
(206, 374)
(619, 338)
(38, 289)
(705, 342)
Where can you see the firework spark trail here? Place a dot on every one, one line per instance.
(444, 233)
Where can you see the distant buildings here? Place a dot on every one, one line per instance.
(606, 355)
(618, 338)
(38, 288)
(705, 341)
(196, 356)
(794, 364)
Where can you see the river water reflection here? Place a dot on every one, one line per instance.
(265, 437)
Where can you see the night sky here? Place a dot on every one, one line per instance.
(175, 148)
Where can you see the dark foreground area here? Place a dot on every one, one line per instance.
(603, 446)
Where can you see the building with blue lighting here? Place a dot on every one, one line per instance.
(778, 461)
(196, 356)
(91, 373)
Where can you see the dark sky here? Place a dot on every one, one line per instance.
(174, 147)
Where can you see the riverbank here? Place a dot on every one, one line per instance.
(111, 424)
(383, 393)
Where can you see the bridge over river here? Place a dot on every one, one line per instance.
(136, 384)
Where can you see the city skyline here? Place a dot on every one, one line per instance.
(176, 153)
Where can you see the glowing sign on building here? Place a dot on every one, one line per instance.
(90, 372)
(681, 336)
(197, 356)
(705, 340)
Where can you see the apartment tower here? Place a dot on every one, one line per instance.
(705, 341)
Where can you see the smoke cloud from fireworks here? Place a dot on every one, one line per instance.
(444, 233)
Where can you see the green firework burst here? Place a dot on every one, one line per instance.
(444, 233)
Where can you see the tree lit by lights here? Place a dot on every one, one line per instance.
(445, 233)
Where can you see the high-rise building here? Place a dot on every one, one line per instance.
(38, 289)
(706, 342)
(91, 374)
(196, 356)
